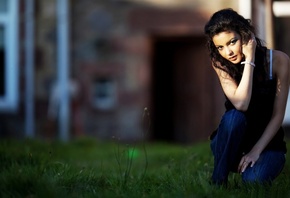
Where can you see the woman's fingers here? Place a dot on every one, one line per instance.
(252, 164)
(241, 165)
(244, 164)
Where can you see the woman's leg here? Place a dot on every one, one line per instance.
(225, 145)
(266, 169)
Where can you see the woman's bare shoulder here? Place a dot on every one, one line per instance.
(281, 62)
(280, 57)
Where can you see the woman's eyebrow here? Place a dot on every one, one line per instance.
(227, 43)
(234, 38)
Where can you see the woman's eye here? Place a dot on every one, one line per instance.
(233, 41)
(219, 48)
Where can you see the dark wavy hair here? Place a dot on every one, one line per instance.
(230, 20)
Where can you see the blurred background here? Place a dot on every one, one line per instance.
(75, 68)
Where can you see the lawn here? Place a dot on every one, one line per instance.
(91, 168)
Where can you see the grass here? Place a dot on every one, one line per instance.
(90, 168)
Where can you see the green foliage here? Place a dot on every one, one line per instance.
(91, 168)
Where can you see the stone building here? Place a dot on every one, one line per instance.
(124, 56)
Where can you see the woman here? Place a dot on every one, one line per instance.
(255, 81)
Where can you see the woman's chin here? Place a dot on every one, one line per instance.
(235, 62)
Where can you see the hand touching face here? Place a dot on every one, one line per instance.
(249, 49)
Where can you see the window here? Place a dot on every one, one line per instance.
(2, 62)
(8, 55)
(104, 94)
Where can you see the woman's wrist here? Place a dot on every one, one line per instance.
(249, 63)
(250, 59)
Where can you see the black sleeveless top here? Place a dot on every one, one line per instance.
(260, 110)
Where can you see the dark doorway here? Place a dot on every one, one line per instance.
(183, 90)
(163, 93)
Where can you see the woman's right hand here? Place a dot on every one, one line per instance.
(249, 49)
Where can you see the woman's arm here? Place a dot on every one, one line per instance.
(281, 67)
(240, 95)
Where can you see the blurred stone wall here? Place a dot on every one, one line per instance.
(111, 54)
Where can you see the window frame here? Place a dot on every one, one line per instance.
(9, 20)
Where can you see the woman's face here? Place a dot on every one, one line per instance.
(229, 45)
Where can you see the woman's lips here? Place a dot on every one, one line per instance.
(233, 58)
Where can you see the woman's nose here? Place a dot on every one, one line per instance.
(229, 51)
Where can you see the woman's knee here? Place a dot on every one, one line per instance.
(266, 169)
(251, 177)
(234, 120)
